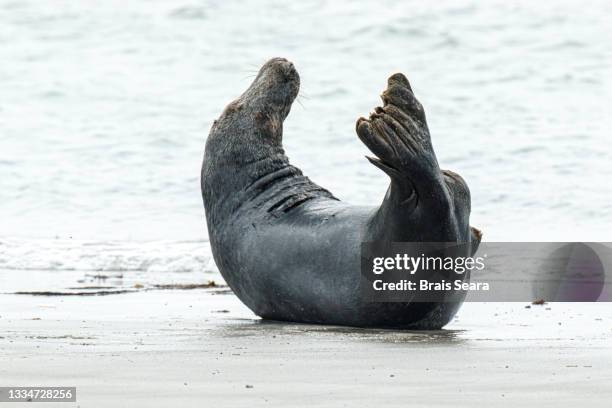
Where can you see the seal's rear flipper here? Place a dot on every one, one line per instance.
(397, 134)
(391, 172)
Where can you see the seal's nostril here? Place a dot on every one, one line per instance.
(289, 71)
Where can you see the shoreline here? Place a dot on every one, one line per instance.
(194, 347)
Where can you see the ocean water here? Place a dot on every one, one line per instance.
(105, 107)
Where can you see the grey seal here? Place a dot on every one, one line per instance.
(287, 247)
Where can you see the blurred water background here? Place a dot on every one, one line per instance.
(105, 107)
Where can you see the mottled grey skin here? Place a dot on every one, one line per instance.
(287, 247)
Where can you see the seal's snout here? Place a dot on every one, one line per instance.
(275, 87)
(282, 69)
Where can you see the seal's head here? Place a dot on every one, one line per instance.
(274, 89)
(247, 137)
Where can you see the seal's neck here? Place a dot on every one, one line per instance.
(263, 171)
(240, 172)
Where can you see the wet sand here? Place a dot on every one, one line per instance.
(202, 347)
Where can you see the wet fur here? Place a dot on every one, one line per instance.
(287, 247)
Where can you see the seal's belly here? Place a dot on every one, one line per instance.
(308, 257)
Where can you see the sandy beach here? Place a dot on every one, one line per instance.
(202, 346)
